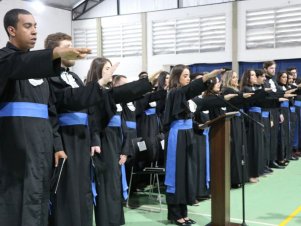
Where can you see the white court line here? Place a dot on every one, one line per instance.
(208, 215)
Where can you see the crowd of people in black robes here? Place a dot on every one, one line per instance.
(107, 127)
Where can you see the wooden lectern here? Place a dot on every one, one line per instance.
(220, 169)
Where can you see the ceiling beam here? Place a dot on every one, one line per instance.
(84, 7)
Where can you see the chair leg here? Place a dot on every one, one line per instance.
(150, 183)
(130, 185)
(158, 186)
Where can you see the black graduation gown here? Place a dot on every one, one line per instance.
(274, 115)
(35, 139)
(186, 149)
(73, 205)
(13, 64)
(238, 139)
(149, 128)
(200, 117)
(109, 209)
(128, 116)
(269, 105)
(26, 144)
(284, 131)
(255, 137)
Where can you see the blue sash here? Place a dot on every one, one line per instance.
(255, 109)
(206, 133)
(74, 118)
(284, 104)
(170, 177)
(150, 111)
(297, 103)
(116, 122)
(131, 124)
(23, 109)
(124, 183)
(265, 114)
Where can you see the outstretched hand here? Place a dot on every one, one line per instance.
(212, 74)
(70, 53)
(230, 96)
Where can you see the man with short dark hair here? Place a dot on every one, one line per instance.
(74, 203)
(26, 144)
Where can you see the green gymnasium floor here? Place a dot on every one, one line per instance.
(275, 200)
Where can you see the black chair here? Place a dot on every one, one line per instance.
(153, 172)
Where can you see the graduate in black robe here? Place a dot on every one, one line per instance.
(73, 199)
(200, 108)
(264, 104)
(163, 82)
(129, 129)
(285, 150)
(293, 117)
(26, 145)
(149, 127)
(269, 68)
(255, 132)
(238, 130)
(110, 186)
(181, 147)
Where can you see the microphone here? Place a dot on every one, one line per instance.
(237, 109)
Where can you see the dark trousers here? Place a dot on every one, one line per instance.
(176, 211)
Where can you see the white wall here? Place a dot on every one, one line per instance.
(81, 67)
(262, 54)
(129, 66)
(133, 65)
(156, 62)
(49, 21)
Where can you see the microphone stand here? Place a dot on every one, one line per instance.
(243, 151)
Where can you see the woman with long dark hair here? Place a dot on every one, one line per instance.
(111, 185)
(181, 149)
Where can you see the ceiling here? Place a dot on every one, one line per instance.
(61, 4)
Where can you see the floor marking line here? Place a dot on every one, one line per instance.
(290, 217)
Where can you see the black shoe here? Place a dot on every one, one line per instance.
(294, 158)
(179, 223)
(275, 165)
(190, 221)
(268, 169)
(282, 163)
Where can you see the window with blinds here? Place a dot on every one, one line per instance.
(273, 28)
(86, 38)
(192, 35)
(122, 41)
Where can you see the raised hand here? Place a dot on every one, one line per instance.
(107, 75)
